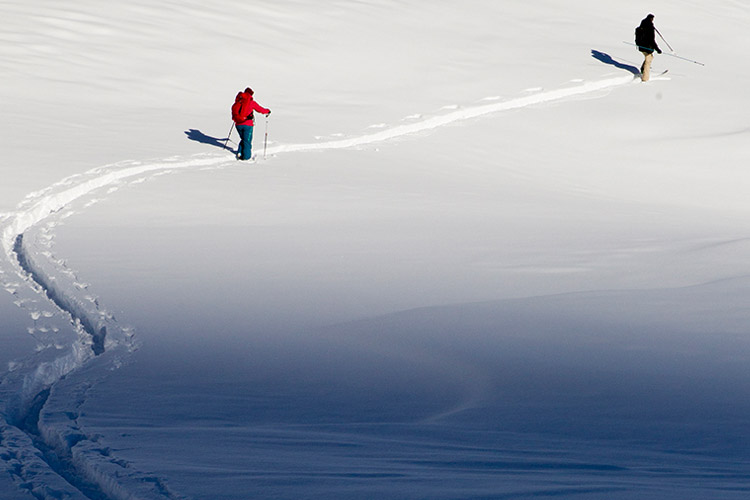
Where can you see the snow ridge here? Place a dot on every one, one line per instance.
(41, 443)
(94, 327)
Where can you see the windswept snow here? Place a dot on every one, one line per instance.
(480, 259)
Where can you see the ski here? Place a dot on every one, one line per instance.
(637, 77)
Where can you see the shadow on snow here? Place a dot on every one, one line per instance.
(198, 136)
(607, 59)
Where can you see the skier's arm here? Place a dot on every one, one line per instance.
(260, 109)
(653, 39)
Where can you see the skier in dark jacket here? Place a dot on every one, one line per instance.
(645, 39)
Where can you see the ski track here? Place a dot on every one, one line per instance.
(42, 446)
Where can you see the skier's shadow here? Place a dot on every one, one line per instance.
(198, 136)
(607, 59)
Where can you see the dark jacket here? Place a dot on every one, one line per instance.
(645, 36)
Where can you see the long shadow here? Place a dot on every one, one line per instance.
(607, 59)
(198, 136)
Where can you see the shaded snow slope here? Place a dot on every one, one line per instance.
(98, 331)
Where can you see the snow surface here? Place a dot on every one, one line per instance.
(480, 258)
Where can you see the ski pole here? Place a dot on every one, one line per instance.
(228, 135)
(265, 140)
(673, 55)
(665, 41)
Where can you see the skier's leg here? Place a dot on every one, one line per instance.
(248, 153)
(241, 146)
(646, 71)
(246, 142)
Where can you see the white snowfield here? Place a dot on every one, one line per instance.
(530, 280)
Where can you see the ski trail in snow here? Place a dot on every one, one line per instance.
(81, 468)
(457, 116)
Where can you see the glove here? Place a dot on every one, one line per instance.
(658, 51)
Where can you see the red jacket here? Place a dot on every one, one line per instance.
(245, 105)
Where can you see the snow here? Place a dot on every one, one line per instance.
(478, 259)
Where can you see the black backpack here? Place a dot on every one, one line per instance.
(639, 37)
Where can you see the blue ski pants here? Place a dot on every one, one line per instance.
(245, 151)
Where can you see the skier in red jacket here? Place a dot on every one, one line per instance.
(242, 115)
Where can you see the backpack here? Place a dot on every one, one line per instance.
(640, 37)
(237, 115)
